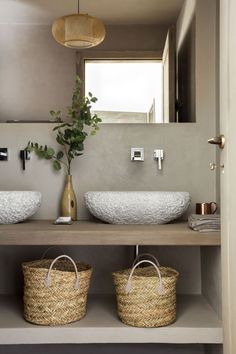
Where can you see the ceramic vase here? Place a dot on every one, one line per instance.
(68, 202)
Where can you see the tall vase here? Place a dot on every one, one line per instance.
(68, 202)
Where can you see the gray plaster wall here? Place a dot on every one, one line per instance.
(36, 74)
(106, 163)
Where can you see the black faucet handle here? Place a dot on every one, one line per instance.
(24, 156)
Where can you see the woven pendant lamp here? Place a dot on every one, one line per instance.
(78, 31)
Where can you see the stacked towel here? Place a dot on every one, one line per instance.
(204, 223)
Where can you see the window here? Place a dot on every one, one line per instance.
(128, 90)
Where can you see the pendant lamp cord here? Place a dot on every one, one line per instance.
(78, 6)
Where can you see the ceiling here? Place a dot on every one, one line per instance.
(129, 12)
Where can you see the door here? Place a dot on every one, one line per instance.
(228, 174)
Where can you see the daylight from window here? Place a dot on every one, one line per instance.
(128, 91)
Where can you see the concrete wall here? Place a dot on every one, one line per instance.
(106, 163)
(36, 74)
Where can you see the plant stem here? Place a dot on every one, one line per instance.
(68, 159)
(64, 163)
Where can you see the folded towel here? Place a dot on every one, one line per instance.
(206, 228)
(200, 217)
(204, 223)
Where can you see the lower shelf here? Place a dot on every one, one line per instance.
(196, 323)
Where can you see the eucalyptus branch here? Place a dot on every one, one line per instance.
(69, 161)
(60, 161)
(71, 135)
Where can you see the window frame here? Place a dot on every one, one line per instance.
(82, 56)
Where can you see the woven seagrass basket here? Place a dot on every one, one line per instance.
(55, 291)
(146, 297)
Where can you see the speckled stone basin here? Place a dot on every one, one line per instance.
(17, 206)
(137, 207)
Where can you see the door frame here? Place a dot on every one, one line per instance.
(228, 174)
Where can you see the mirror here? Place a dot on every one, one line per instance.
(144, 71)
(186, 80)
(135, 89)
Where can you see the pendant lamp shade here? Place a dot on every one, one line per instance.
(78, 31)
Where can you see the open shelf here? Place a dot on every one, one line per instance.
(43, 232)
(196, 323)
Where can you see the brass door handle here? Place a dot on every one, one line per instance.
(218, 140)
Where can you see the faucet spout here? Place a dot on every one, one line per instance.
(159, 156)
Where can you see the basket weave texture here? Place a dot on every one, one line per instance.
(143, 305)
(59, 302)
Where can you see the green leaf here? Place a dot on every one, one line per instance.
(41, 154)
(60, 140)
(56, 165)
(50, 152)
(60, 155)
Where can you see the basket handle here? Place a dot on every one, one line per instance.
(48, 276)
(128, 286)
(145, 255)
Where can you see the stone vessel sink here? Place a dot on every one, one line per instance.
(137, 207)
(17, 206)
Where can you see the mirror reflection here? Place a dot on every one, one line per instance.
(161, 90)
(129, 91)
(143, 72)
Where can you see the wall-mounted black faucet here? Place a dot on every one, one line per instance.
(24, 156)
(3, 154)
